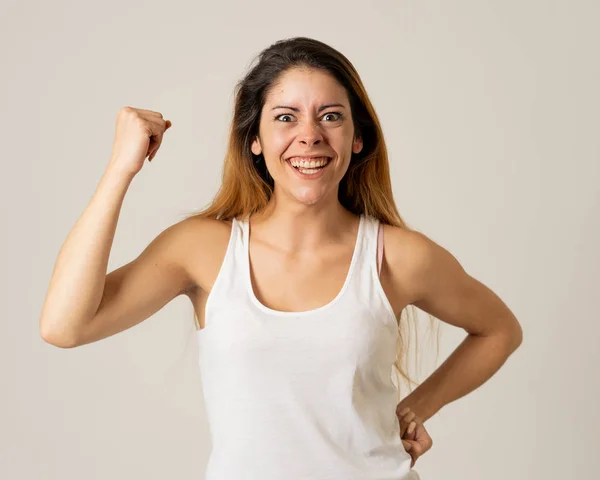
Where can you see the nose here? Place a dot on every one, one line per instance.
(310, 134)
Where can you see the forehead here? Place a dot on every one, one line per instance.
(306, 86)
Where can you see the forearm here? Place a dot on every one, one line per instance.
(77, 282)
(470, 365)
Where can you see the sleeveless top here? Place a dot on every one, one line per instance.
(301, 395)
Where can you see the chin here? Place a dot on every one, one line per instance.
(308, 196)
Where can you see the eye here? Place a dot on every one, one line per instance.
(339, 115)
(284, 115)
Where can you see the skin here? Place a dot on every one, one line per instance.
(303, 215)
(284, 132)
(305, 236)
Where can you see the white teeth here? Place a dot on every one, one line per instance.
(309, 163)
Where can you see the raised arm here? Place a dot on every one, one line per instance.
(80, 292)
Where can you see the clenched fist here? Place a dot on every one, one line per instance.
(138, 134)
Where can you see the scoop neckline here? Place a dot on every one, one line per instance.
(281, 313)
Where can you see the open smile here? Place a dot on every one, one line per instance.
(306, 170)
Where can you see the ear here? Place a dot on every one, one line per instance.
(255, 147)
(357, 145)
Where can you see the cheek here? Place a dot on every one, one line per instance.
(275, 147)
(280, 140)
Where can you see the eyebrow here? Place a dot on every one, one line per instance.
(322, 107)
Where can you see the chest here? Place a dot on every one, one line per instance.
(294, 282)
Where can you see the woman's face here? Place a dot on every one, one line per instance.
(306, 114)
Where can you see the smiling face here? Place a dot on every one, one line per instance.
(307, 114)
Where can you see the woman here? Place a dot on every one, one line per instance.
(298, 308)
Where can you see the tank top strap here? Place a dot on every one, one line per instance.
(361, 254)
(228, 282)
(371, 242)
(366, 279)
(379, 247)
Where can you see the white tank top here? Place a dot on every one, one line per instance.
(301, 395)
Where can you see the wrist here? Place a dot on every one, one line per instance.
(419, 405)
(116, 175)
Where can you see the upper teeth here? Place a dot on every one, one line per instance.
(309, 163)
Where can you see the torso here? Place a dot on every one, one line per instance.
(289, 282)
(298, 378)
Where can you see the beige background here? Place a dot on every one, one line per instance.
(490, 110)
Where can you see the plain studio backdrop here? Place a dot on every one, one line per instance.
(490, 113)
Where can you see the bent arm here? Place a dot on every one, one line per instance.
(77, 281)
(443, 289)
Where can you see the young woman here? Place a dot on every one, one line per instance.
(298, 309)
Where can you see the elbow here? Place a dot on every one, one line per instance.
(515, 336)
(519, 339)
(508, 338)
(56, 337)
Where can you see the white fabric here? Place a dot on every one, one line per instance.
(301, 395)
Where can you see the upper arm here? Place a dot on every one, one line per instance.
(138, 289)
(439, 285)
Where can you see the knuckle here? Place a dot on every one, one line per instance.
(141, 121)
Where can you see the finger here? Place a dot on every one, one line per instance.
(421, 432)
(403, 412)
(422, 444)
(409, 430)
(415, 447)
(422, 439)
(405, 422)
(407, 445)
(153, 148)
(414, 451)
(403, 427)
(411, 427)
(426, 443)
(156, 125)
(409, 435)
(149, 112)
(413, 454)
(158, 129)
(408, 417)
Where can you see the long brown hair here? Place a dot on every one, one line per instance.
(365, 188)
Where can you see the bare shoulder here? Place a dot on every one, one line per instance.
(202, 243)
(196, 228)
(411, 257)
(434, 281)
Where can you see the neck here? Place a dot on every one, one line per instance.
(296, 227)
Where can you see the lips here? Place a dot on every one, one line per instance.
(307, 176)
